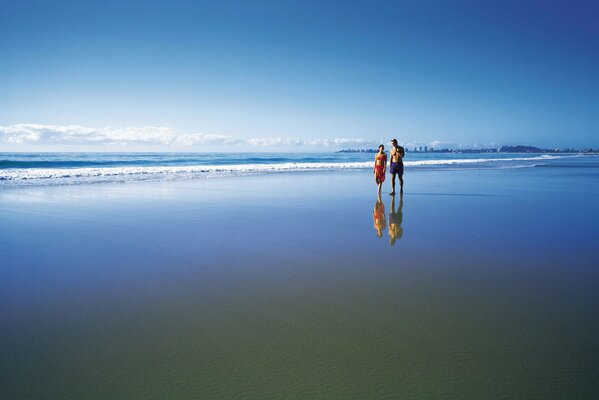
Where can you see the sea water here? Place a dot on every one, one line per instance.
(34, 169)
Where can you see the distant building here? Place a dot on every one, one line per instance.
(420, 148)
(425, 149)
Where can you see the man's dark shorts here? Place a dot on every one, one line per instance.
(396, 168)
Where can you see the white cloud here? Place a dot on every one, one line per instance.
(274, 142)
(440, 144)
(209, 139)
(314, 142)
(37, 134)
(76, 134)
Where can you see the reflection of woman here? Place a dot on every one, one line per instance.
(378, 216)
(380, 167)
(395, 219)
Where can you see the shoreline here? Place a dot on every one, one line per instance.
(66, 176)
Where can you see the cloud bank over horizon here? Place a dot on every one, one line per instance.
(165, 138)
(162, 137)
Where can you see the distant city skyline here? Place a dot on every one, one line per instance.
(297, 76)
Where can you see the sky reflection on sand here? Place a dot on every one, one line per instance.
(282, 273)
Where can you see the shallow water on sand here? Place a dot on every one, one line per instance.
(279, 286)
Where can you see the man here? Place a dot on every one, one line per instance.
(396, 167)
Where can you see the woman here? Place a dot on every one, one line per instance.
(380, 167)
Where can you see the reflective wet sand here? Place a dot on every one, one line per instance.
(481, 284)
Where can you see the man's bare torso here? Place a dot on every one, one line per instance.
(396, 154)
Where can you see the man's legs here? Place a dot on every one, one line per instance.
(392, 184)
(400, 183)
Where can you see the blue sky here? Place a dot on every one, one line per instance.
(287, 75)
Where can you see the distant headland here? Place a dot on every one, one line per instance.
(502, 149)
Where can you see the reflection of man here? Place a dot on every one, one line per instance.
(378, 216)
(396, 154)
(395, 218)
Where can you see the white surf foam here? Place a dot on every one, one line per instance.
(91, 174)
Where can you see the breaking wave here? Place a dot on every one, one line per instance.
(26, 175)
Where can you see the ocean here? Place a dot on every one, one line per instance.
(43, 169)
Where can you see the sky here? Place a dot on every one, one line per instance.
(297, 75)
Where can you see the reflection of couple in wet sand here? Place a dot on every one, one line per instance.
(395, 219)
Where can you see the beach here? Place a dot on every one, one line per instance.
(189, 206)
(278, 286)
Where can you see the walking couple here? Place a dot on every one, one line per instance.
(395, 166)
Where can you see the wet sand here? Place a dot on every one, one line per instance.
(278, 286)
